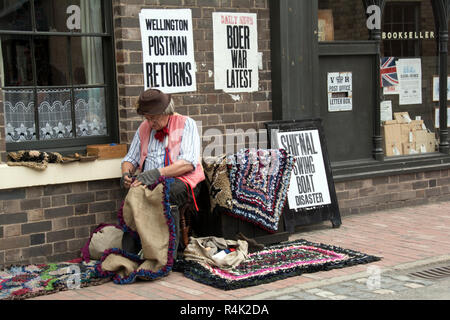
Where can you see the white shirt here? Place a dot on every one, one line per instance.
(189, 149)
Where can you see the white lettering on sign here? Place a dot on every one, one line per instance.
(407, 35)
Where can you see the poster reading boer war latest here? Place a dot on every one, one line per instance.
(235, 52)
(168, 50)
(309, 185)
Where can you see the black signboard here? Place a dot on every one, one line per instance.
(312, 195)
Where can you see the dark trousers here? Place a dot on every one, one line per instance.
(180, 196)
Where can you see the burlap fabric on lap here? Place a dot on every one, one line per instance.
(145, 213)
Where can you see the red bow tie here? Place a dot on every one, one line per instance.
(161, 134)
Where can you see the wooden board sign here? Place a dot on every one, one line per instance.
(311, 195)
(107, 151)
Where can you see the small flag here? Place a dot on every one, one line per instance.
(388, 72)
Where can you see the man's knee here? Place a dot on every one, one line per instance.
(178, 193)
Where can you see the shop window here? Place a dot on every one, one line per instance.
(341, 20)
(409, 69)
(55, 73)
(399, 20)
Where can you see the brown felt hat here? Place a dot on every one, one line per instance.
(152, 102)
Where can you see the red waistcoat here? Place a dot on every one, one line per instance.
(176, 128)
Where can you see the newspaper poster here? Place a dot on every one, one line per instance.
(236, 57)
(386, 110)
(436, 88)
(168, 50)
(410, 81)
(309, 185)
(436, 117)
(339, 91)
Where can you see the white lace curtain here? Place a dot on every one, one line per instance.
(54, 106)
(55, 120)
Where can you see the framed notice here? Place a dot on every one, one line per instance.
(436, 88)
(236, 57)
(386, 110)
(436, 117)
(409, 73)
(311, 195)
(340, 89)
(168, 50)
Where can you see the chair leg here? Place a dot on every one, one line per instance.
(184, 226)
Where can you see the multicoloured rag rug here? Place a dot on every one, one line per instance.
(23, 282)
(259, 180)
(275, 262)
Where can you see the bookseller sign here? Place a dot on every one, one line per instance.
(235, 52)
(168, 50)
(309, 184)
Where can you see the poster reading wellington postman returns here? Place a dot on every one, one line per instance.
(168, 50)
(235, 52)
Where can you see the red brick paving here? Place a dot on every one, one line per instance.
(399, 236)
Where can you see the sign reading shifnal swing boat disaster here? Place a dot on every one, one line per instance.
(308, 186)
(311, 195)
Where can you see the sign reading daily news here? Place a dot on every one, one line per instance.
(168, 50)
(235, 52)
(309, 184)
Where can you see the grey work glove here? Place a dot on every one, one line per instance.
(122, 180)
(149, 177)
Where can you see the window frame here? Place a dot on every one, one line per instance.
(73, 144)
(417, 43)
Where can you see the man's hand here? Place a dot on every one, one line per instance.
(126, 180)
(148, 177)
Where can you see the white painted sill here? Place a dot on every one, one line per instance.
(22, 177)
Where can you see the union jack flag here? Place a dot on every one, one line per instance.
(388, 72)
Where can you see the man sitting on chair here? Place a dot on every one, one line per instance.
(166, 144)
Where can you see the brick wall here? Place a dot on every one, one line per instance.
(382, 193)
(217, 111)
(52, 223)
